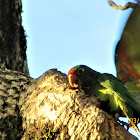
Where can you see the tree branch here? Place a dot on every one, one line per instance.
(48, 108)
(128, 5)
(55, 111)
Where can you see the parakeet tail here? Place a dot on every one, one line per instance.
(131, 123)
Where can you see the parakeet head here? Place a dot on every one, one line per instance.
(81, 76)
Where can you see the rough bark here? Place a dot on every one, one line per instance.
(43, 108)
(12, 83)
(47, 108)
(12, 36)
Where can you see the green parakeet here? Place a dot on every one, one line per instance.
(114, 97)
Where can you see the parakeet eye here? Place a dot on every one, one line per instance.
(80, 71)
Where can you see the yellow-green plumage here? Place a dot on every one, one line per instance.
(110, 91)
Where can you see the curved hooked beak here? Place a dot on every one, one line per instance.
(74, 81)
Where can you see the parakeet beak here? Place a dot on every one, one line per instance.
(74, 81)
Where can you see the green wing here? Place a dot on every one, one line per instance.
(112, 83)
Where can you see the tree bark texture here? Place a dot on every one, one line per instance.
(43, 108)
(47, 108)
(12, 83)
(12, 36)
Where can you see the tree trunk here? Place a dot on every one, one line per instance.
(43, 108)
(12, 84)
(47, 108)
(12, 37)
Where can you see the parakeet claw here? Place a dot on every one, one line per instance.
(117, 116)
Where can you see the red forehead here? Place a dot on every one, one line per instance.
(71, 71)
